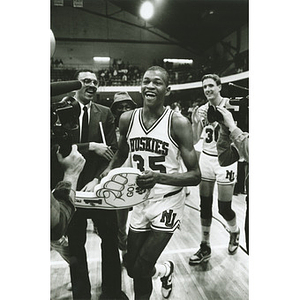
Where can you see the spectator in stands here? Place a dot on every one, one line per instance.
(124, 79)
(176, 106)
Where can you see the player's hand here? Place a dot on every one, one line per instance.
(102, 150)
(228, 118)
(198, 115)
(89, 187)
(195, 115)
(147, 180)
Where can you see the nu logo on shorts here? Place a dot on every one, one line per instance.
(230, 175)
(168, 217)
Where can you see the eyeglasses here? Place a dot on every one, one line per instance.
(88, 81)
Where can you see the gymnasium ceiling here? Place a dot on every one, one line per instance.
(195, 24)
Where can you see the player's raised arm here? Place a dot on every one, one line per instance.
(197, 116)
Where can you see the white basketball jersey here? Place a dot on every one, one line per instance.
(210, 131)
(154, 149)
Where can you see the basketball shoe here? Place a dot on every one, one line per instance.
(202, 255)
(166, 286)
(233, 242)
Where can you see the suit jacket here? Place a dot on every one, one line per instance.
(96, 164)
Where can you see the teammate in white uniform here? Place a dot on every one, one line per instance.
(155, 138)
(212, 172)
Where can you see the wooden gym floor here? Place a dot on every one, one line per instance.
(223, 277)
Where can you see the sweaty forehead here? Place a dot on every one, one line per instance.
(155, 74)
(82, 75)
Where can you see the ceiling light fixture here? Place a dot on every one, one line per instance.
(147, 10)
(101, 59)
(179, 61)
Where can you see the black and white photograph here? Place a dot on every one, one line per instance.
(165, 88)
(136, 145)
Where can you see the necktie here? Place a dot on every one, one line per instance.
(85, 126)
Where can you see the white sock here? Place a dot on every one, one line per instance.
(161, 270)
(232, 225)
(233, 228)
(206, 234)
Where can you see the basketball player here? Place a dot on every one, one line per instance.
(212, 172)
(155, 138)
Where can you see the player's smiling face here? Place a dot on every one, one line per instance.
(154, 88)
(89, 87)
(211, 89)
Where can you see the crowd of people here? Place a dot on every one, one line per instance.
(127, 74)
(118, 74)
(156, 140)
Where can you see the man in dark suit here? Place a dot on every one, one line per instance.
(96, 140)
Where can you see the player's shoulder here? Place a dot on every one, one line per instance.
(179, 120)
(128, 114)
(179, 117)
(126, 117)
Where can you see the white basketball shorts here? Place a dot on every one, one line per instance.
(161, 215)
(212, 171)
